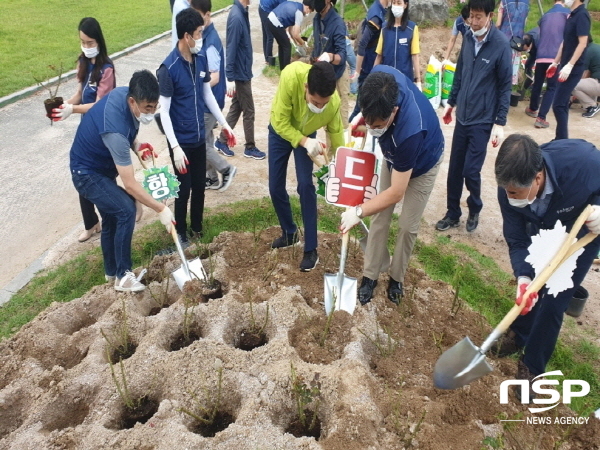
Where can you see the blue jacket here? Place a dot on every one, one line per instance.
(211, 38)
(239, 44)
(572, 165)
(187, 96)
(371, 29)
(397, 43)
(110, 115)
(330, 37)
(482, 83)
(414, 139)
(286, 12)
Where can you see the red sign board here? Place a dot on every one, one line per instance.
(355, 170)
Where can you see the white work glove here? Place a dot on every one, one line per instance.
(565, 72)
(231, 139)
(522, 285)
(166, 218)
(419, 86)
(145, 151)
(62, 112)
(180, 160)
(349, 219)
(551, 71)
(325, 57)
(302, 50)
(497, 135)
(447, 114)
(230, 88)
(314, 147)
(593, 221)
(332, 188)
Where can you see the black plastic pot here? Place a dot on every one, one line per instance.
(514, 98)
(577, 303)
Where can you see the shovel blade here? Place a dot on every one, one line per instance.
(343, 296)
(195, 269)
(460, 365)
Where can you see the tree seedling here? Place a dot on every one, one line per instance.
(305, 395)
(52, 101)
(385, 347)
(129, 401)
(119, 344)
(206, 412)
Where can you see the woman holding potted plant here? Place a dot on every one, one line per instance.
(96, 76)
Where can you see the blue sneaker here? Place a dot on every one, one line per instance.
(255, 153)
(223, 149)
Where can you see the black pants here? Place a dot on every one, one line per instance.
(536, 90)
(283, 42)
(88, 211)
(560, 106)
(267, 37)
(192, 185)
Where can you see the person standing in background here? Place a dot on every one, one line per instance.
(287, 18)
(178, 6)
(96, 77)
(264, 8)
(460, 25)
(512, 15)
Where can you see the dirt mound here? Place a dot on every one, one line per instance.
(240, 371)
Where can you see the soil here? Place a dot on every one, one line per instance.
(51, 103)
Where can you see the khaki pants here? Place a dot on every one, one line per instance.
(343, 89)
(377, 256)
(587, 91)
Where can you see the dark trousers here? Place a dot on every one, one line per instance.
(267, 37)
(536, 90)
(283, 42)
(242, 102)
(279, 155)
(469, 147)
(117, 209)
(88, 211)
(192, 185)
(539, 329)
(560, 107)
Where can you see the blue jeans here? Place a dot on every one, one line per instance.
(279, 155)
(351, 60)
(117, 209)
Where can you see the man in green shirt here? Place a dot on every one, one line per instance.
(305, 101)
(588, 89)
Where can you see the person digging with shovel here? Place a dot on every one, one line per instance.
(538, 186)
(305, 101)
(397, 113)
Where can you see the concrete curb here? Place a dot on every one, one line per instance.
(11, 98)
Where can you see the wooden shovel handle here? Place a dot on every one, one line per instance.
(564, 252)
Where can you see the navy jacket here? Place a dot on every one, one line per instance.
(371, 29)
(330, 37)
(212, 39)
(573, 167)
(238, 44)
(482, 83)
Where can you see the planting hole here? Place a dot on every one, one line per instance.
(249, 340)
(311, 427)
(143, 411)
(122, 352)
(182, 340)
(220, 422)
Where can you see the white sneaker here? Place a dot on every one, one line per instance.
(129, 283)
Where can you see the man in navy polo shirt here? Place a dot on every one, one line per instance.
(538, 186)
(184, 91)
(100, 152)
(409, 133)
(571, 56)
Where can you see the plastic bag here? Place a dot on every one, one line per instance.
(447, 79)
(433, 82)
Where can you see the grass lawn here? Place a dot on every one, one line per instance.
(36, 34)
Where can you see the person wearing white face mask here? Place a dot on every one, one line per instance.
(481, 94)
(537, 187)
(412, 143)
(306, 100)
(184, 80)
(96, 76)
(100, 152)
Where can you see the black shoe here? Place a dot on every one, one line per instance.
(523, 373)
(228, 178)
(472, 222)
(285, 240)
(365, 291)
(446, 223)
(506, 345)
(591, 111)
(395, 292)
(309, 261)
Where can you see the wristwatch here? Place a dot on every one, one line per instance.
(359, 211)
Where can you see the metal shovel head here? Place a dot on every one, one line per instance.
(195, 271)
(342, 294)
(460, 365)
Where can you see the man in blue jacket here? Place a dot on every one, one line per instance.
(264, 9)
(100, 152)
(409, 133)
(481, 95)
(238, 69)
(538, 186)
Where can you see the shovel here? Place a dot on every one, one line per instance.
(189, 269)
(465, 362)
(340, 290)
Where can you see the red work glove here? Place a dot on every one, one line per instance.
(358, 126)
(551, 70)
(146, 151)
(522, 285)
(231, 140)
(447, 115)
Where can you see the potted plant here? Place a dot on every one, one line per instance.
(53, 101)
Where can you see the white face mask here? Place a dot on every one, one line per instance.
(397, 11)
(521, 202)
(481, 32)
(144, 118)
(90, 52)
(378, 132)
(196, 49)
(316, 110)
(569, 3)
